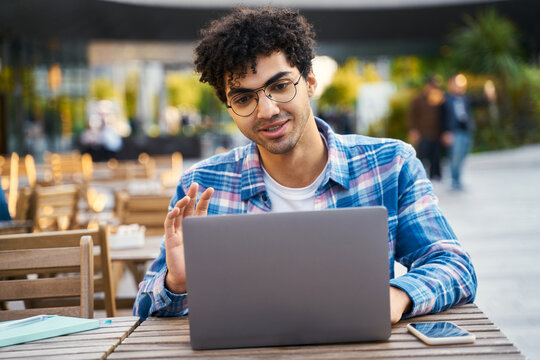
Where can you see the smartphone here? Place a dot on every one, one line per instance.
(440, 333)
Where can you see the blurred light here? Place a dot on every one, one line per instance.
(461, 80)
(54, 77)
(324, 68)
(112, 164)
(489, 90)
(62, 222)
(47, 210)
(153, 130)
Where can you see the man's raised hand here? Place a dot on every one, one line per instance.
(175, 279)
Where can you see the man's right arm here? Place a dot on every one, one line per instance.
(162, 291)
(153, 298)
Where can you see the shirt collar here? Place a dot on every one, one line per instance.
(338, 161)
(252, 181)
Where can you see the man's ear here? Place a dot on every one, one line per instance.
(311, 82)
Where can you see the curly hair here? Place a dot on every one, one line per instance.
(232, 44)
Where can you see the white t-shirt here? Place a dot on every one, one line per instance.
(285, 198)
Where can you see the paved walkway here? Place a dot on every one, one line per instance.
(497, 219)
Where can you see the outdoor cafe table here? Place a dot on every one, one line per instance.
(92, 344)
(167, 338)
(135, 259)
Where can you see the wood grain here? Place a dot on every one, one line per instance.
(165, 338)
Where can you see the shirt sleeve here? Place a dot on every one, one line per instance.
(440, 272)
(153, 298)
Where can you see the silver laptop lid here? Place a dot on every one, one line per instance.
(288, 278)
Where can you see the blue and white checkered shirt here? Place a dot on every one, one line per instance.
(361, 171)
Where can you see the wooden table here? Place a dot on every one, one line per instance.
(135, 259)
(148, 252)
(92, 344)
(166, 338)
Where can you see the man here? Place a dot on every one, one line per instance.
(426, 125)
(459, 125)
(259, 62)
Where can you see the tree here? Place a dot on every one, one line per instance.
(489, 44)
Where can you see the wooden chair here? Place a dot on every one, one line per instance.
(35, 258)
(55, 207)
(16, 227)
(127, 170)
(12, 170)
(103, 281)
(25, 205)
(145, 167)
(67, 167)
(147, 210)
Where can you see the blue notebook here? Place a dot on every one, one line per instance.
(42, 327)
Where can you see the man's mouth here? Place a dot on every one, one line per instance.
(276, 129)
(273, 128)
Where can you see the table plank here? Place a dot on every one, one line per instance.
(92, 344)
(169, 338)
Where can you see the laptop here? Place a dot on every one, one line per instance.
(288, 278)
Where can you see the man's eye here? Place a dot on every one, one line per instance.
(242, 99)
(280, 85)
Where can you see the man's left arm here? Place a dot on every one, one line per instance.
(440, 272)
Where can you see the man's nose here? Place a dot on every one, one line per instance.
(266, 107)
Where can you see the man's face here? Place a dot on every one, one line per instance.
(275, 127)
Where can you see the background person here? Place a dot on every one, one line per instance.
(459, 124)
(259, 63)
(425, 121)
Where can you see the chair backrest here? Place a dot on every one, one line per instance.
(126, 170)
(16, 227)
(65, 167)
(147, 210)
(56, 239)
(55, 207)
(17, 262)
(149, 164)
(25, 208)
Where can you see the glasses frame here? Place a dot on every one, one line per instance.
(263, 88)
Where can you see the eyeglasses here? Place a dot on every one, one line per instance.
(281, 91)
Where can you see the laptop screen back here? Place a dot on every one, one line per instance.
(288, 278)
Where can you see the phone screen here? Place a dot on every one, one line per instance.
(439, 329)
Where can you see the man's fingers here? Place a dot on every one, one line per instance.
(173, 220)
(186, 207)
(204, 201)
(192, 193)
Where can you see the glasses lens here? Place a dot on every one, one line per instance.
(244, 104)
(281, 90)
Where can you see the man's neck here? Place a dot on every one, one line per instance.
(300, 166)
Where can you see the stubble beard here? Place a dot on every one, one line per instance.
(286, 144)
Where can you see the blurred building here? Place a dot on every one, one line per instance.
(54, 53)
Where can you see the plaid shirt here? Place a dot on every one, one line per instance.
(361, 171)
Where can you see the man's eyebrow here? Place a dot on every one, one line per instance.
(268, 82)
